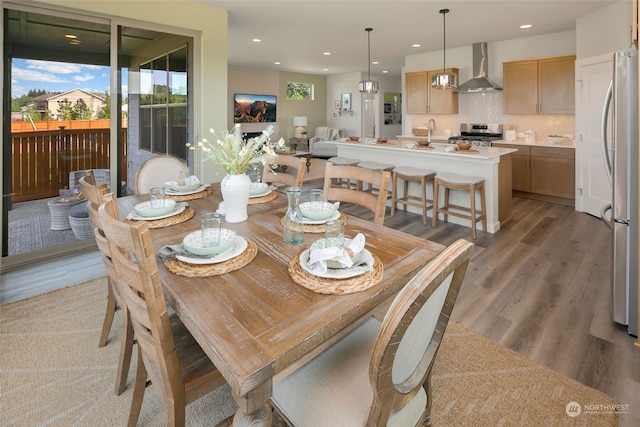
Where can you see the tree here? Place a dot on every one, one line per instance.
(65, 111)
(80, 111)
(105, 110)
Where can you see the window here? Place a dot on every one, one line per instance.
(163, 104)
(300, 91)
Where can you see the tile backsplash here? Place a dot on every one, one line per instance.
(486, 107)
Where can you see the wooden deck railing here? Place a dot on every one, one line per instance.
(41, 160)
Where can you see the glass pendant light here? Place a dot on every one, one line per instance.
(444, 80)
(368, 86)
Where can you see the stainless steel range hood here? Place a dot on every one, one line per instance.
(480, 81)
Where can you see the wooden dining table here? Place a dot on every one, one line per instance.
(256, 323)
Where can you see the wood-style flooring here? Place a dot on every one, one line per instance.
(539, 286)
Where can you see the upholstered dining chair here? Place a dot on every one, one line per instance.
(286, 178)
(94, 193)
(377, 178)
(157, 170)
(380, 374)
(176, 365)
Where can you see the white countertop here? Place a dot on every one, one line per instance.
(568, 144)
(437, 149)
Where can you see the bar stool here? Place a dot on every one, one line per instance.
(344, 161)
(454, 181)
(411, 174)
(378, 166)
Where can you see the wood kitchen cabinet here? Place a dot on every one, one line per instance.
(421, 98)
(521, 167)
(539, 86)
(553, 171)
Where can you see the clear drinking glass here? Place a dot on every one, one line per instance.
(334, 234)
(183, 177)
(210, 229)
(156, 197)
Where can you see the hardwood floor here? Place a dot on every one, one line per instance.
(539, 286)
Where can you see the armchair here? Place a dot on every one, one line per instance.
(323, 144)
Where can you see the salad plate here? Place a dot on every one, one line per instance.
(239, 246)
(178, 208)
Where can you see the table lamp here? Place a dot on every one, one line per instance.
(299, 122)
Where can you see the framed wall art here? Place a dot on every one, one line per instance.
(346, 101)
(250, 108)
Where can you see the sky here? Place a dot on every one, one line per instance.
(28, 74)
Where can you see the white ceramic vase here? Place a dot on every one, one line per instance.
(235, 193)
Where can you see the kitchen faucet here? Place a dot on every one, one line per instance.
(431, 125)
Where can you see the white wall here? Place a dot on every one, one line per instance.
(338, 84)
(604, 31)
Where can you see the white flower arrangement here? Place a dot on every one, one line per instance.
(234, 155)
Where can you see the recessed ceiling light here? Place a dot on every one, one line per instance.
(525, 26)
(384, 72)
(415, 45)
(277, 62)
(325, 69)
(71, 36)
(75, 42)
(327, 53)
(375, 62)
(256, 40)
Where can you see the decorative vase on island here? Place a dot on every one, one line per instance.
(235, 193)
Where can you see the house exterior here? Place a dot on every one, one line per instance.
(51, 103)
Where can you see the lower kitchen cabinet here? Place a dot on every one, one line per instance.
(546, 171)
(553, 171)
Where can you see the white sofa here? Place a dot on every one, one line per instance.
(323, 144)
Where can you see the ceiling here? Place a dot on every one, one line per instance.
(297, 32)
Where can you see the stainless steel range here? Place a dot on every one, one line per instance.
(479, 135)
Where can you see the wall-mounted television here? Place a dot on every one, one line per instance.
(250, 108)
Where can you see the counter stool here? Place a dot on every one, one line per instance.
(454, 181)
(344, 161)
(378, 166)
(411, 174)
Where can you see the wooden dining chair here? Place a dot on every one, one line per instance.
(155, 171)
(377, 203)
(380, 373)
(285, 177)
(94, 193)
(167, 352)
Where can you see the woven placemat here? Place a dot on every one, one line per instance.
(205, 270)
(316, 228)
(420, 147)
(199, 195)
(470, 151)
(322, 285)
(183, 216)
(263, 199)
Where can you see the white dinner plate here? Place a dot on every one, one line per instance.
(339, 273)
(237, 249)
(186, 193)
(267, 191)
(180, 207)
(333, 217)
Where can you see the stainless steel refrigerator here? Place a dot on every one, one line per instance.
(620, 149)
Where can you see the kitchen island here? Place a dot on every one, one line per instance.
(491, 163)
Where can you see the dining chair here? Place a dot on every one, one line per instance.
(176, 365)
(290, 180)
(94, 193)
(380, 373)
(157, 170)
(377, 203)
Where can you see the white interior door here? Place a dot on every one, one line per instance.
(593, 77)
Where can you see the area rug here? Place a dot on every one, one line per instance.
(29, 234)
(54, 373)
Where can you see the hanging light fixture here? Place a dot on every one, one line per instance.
(368, 86)
(444, 80)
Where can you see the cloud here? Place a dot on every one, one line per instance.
(84, 78)
(21, 74)
(54, 67)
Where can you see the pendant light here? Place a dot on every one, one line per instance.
(368, 86)
(444, 80)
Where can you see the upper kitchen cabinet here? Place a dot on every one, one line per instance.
(539, 86)
(421, 98)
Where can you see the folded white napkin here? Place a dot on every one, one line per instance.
(318, 257)
(190, 180)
